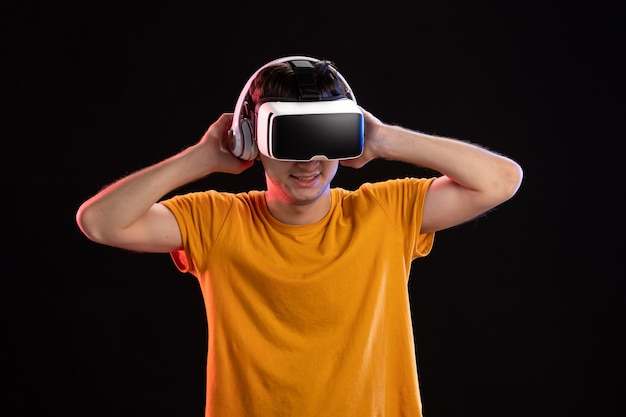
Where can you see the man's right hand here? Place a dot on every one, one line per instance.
(214, 142)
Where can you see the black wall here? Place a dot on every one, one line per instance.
(520, 313)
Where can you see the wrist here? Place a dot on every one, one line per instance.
(198, 159)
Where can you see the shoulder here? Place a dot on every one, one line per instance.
(395, 186)
(388, 195)
(213, 198)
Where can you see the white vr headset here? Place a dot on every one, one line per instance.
(303, 129)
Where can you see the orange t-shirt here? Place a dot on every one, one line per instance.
(312, 320)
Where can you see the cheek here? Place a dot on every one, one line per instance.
(331, 168)
(275, 170)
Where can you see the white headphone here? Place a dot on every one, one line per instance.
(242, 138)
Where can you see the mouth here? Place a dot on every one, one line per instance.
(306, 177)
(307, 180)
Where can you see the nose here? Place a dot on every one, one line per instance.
(308, 164)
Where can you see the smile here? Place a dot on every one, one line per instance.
(309, 178)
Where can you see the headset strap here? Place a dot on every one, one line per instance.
(304, 77)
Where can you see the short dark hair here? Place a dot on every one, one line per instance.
(279, 80)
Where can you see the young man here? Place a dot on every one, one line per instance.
(305, 285)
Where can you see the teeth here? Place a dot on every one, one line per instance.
(306, 178)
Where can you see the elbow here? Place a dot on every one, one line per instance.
(509, 180)
(87, 221)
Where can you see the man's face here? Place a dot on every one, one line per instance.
(298, 182)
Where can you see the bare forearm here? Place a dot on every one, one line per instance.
(469, 165)
(122, 203)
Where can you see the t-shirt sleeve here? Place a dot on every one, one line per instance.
(403, 201)
(200, 216)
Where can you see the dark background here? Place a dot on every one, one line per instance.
(520, 313)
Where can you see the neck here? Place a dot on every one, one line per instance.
(299, 213)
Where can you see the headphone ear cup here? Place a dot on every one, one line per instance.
(248, 149)
(235, 142)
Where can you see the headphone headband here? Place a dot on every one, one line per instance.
(237, 139)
